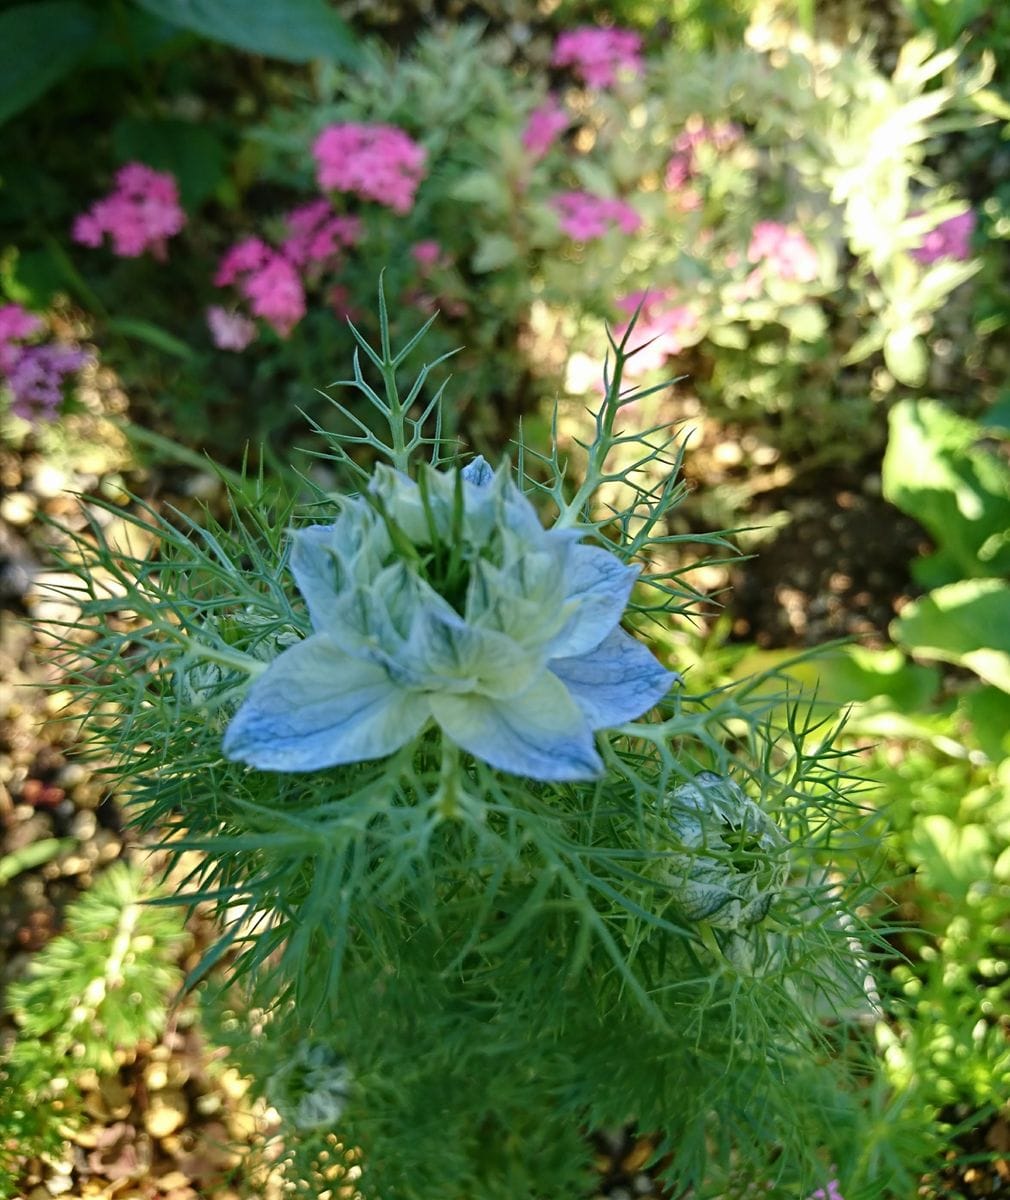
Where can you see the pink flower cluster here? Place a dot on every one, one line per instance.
(662, 330)
(267, 280)
(271, 280)
(584, 216)
(596, 55)
(375, 162)
(784, 251)
(950, 239)
(317, 235)
(683, 165)
(543, 126)
(140, 214)
(34, 374)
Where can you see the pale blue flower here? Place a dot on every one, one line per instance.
(445, 601)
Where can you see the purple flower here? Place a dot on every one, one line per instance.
(35, 377)
(950, 239)
(544, 124)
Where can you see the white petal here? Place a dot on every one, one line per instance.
(597, 587)
(315, 707)
(616, 682)
(541, 733)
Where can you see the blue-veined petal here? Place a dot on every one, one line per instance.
(616, 682)
(479, 472)
(317, 571)
(541, 733)
(315, 707)
(448, 655)
(597, 587)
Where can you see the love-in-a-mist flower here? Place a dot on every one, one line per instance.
(444, 601)
(376, 162)
(141, 213)
(597, 55)
(732, 863)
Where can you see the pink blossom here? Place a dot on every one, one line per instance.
(229, 330)
(318, 234)
(248, 255)
(596, 55)
(950, 239)
(543, 125)
(831, 1192)
(35, 376)
(375, 162)
(584, 216)
(662, 330)
(275, 293)
(267, 280)
(428, 255)
(784, 251)
(683, 165)
(140, 214)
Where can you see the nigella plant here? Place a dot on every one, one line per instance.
(490, 873)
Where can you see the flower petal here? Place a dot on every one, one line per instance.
(478, 472)
(315, 707)
(448, 655)
(541, 733)
(616, 682)
(597, 587)
(315, 567)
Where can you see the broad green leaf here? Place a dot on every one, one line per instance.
(950, 857)
(965, 623)
(194, 154)
(936, 471)
(295, 30)
(494, 251)
(39, 44)
(483, 188)
(988, 710)
(906, 357)
(154, 335)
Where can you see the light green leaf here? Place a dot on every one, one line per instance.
(940, 280)
(906, 357)
(494, 251)
(39, 44)
(965, 623)
(935, 471)
(295, 30)
(480, 187)
(950, 857)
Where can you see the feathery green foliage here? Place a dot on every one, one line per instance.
(491, 964)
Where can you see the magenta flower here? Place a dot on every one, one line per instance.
(375, 162)
(784, 251)
(950, 239)
(318, 234)
(229, 330)
(831, 1192)
(250, 254)
(141, 214)
(597, 55)
(543, 125)
(662, 330)
(16, 323)
(585, 217)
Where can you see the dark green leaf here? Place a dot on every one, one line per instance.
(295, 30)
(154, 335)
(194, 154)
(39, 44)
